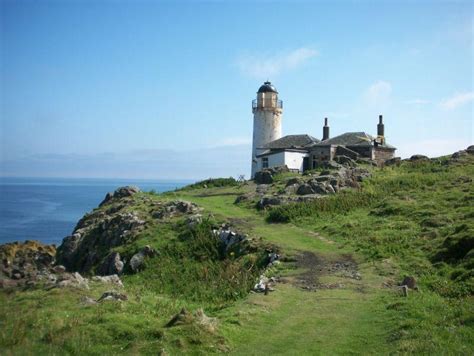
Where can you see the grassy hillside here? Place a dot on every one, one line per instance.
(343, 257)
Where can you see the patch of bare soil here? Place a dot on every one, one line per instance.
(316, 266)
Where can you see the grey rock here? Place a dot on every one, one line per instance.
(74, 280)
(111, 265)
(393, 161)
(293, 181)
(263, 177)
(120, 193)
(269, 201)
(112, 296)
(459, 154)
(305, 189)
(470, 150)
(137, 262)
(344, 160)
(416, 158)
(113, 279)
(59, 269)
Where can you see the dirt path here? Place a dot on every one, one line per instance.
(317, 265)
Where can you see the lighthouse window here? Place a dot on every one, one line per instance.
(265, 162)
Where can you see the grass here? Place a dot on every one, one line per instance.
(415, 219)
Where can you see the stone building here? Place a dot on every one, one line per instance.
(303, 152)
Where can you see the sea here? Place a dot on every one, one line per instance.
(47, 209)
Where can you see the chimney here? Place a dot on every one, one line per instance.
(380, 129)
(325, 129)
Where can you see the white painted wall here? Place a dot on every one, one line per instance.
(274, 160)
(294, 160)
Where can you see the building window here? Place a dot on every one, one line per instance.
(265, 162)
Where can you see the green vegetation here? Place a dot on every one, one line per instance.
(413, 220)
(212, 183)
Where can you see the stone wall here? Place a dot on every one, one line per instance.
(383, 154)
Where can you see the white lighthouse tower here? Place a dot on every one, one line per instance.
(267, 111)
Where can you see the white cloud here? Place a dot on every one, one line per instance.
(266, 66)
(417, 102)
(456, 100)
(378, 95)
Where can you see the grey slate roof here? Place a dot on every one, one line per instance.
(351, 139)
(291, 141)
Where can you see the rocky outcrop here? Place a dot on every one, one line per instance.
(266, 176)
(120, 193)
(94, 236)
(31, 265)
(90, 248)
(24, 263)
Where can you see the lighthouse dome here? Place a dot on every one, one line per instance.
(267, 87)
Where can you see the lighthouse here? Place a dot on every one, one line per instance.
(267, 112)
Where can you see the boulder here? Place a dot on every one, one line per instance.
(263, 177)
(193, 220)
(112, 296)
(229, 238)
(459, 154)
(305, 189)
(269, 201)
(111, 265)
(393, 161)
(291, 189)
(74, 280)
(417, 158)
(113, 279)
(244, 197)
(323, 178)
(293, 181)
(345, 161)
(470, 150)
(137, 262)
(319, 187)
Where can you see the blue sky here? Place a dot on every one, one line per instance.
(151, 89)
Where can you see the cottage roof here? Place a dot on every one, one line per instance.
(291, 141)
(352, 139)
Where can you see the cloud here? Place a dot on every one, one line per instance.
(263, 67)
(417, 102)
(457, 100)
(378, 95)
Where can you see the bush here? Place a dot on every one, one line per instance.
(333, 204)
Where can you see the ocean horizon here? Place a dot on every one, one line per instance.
(47, 209)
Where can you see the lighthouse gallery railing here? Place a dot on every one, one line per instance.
(265, 103)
